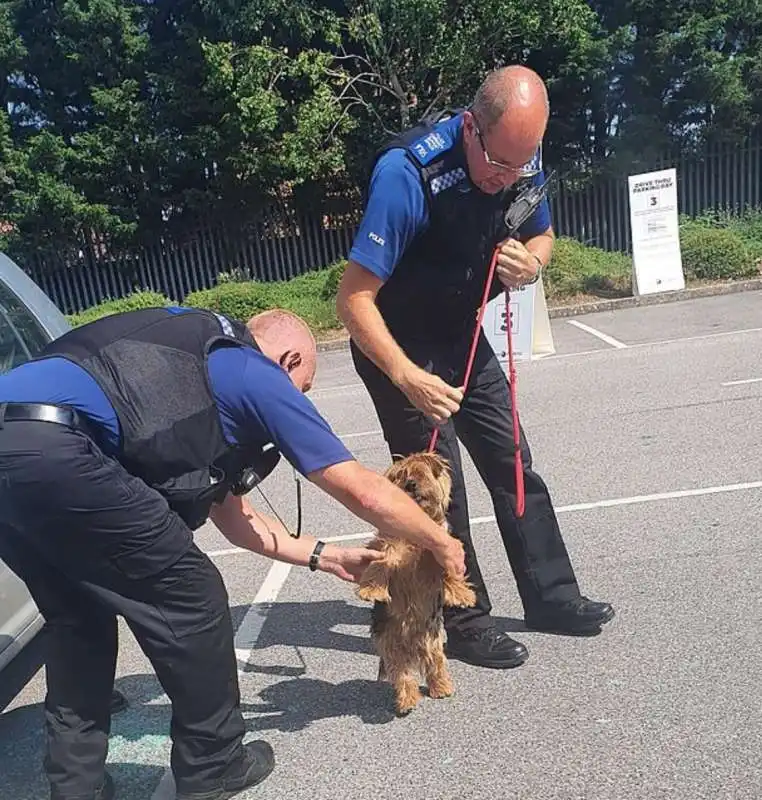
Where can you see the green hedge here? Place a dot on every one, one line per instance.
(720, 245)
(716, 253)
(576, 269)
(312, 296)
(714, 247)
(130, 303)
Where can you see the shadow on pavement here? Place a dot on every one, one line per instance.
(311, 624)
(287, 705)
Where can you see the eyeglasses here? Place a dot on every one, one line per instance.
(530, 169)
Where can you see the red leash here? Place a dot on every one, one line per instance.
(520, 494)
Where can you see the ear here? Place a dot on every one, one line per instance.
(290, 360)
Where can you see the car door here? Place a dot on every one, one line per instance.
(22, 336)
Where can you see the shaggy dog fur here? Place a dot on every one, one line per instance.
(411, 588)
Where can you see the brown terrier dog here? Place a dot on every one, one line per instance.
(408, 629)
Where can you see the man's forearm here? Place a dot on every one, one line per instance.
(380, 503)
(244, 527)
(358, 312)
(542, 246)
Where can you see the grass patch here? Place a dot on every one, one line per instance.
(578, 269)
(132, 302)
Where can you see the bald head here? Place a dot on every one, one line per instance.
(286, 339)
(515, 90)
(505, 126)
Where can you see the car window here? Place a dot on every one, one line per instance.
(21, 336)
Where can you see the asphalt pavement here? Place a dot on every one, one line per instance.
(646, 426)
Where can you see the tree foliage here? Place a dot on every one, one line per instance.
(130, 117)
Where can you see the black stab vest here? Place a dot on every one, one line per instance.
(436, 287)
(152, 366)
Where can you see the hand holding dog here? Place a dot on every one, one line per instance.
(451, 557)
(347, 563)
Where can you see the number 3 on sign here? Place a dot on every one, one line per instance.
(515, 311)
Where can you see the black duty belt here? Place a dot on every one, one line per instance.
(41, 412)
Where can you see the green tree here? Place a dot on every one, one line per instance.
(409, 57)
(684, 72)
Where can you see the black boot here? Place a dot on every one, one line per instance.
(486, 647)
(577, 617)
(256, 763)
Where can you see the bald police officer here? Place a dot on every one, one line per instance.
(409, 297)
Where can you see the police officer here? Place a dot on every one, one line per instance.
(117, 442)
(409, 298)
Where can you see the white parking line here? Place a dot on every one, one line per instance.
(604, 337)
(358, 435)
(742, 383)
(610, 503)
(618, 346)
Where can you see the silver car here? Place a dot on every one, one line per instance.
(28, 321)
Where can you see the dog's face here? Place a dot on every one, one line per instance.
(426, 478)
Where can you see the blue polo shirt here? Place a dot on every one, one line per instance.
(396, 209)
(255, 397)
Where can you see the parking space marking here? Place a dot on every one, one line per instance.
(358, 435)
(231, 551)
(742, 383)
(604, 337)
(609, 503)
(351, 387)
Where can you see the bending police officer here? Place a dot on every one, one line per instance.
(120, 439)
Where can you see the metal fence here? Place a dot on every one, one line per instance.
(278, 245)
(724, 176)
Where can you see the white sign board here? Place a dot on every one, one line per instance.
(530, 325)
(656, 257)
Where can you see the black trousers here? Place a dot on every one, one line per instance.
(533, 544)
(93, 542)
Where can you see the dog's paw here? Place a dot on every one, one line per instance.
(373, 592)
(441, 689)
(408, 698)
(458, 593)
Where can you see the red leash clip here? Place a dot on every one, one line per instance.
(520, 494)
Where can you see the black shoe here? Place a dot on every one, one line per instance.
(576, 617)
(256, 764)
(486, 647)
(105, 792)
(118, 702)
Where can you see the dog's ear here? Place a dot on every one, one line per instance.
(438, 464)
